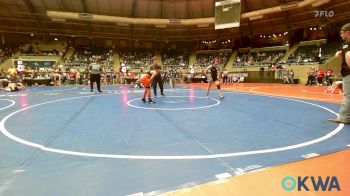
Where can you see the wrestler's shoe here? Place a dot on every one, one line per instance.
(151, 101)
(335, 120)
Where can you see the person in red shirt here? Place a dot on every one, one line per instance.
(329, 76)
(320, 75)
(132, 75)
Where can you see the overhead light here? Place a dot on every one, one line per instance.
(32, 35)
(56, 39)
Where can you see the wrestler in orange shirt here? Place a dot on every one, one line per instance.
(145, 81)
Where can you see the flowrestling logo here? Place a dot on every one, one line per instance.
(324, 13)
(311, 183)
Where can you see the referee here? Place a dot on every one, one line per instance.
(157, 80)
(95, 76)
(344, 54)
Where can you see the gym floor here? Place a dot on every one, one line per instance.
(68, 141)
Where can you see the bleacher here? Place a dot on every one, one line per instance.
(136, 58)
(329, 49)
(44, 49)
(305, 54)
(206, 58)
(175, 58)
(82, 57)
(258, 58)
(6, 53)
(315, 53)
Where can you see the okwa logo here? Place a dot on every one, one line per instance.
(307, 183)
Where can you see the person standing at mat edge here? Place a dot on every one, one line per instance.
(95, 76)
(344, 54)
(214, 77)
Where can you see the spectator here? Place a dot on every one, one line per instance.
(320, 75)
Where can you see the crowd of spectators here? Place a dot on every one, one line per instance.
(305, 54)
(313, 53)
(206, 59)
(5, 53)
(175, 58)
(136, 58)
(83, 57)
(267, 58)
(75, 69)
(34, 50)
(329, 49)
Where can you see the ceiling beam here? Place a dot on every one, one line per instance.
(33, 12)
(287, 22)
(133, 15)
(188, 10)
(63, 4)
(134, 9)
(161, 9)
(85, 9)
